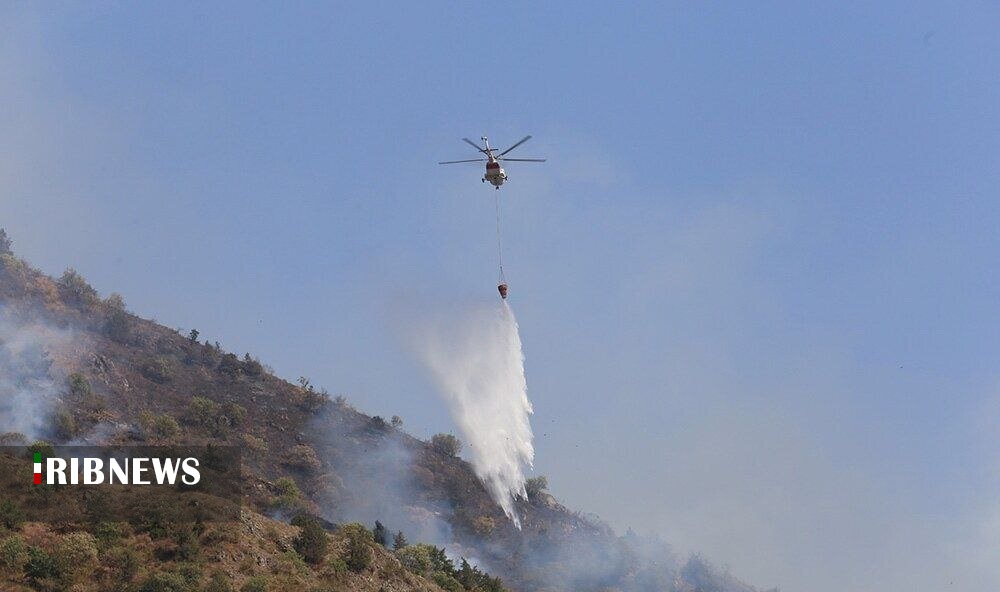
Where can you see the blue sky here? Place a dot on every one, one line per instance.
(756, 280)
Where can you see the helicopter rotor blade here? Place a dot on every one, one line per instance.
(474, 145)
(457, 161)
(523, 159)
(523, 140)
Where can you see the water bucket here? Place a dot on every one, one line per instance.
(502, 288)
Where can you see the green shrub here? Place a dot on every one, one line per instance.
(161, 427)
(303, 457)
(166, 582)
(64, 424)
(446, 444)
(255, 584)
(219, 582)
(40, 565)
(256, 446)
(118, 324)
(109, 533)
(447, 582)
(13, 553)
(230, 365)
(77, 550)
(43, 447)
(79, 386)
(201, 411)
(122, 563)
(10, 515)
(416, 558)
(312, 542)
(288, 494)
(338, 566)
(358, 555)
(158, 369)
(536, 485)
(75, 290)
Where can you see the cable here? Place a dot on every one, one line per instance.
(503, 280)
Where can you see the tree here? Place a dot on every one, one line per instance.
(5, 243)
(193, 336)
(399, 542)
(446, 444)
(312, 542)
(358, 555)
(536, 485)
(75, 290)
(118, 325)
(381, 534)
(396, 421)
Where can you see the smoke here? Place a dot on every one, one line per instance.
(478, 363)
(28, 390)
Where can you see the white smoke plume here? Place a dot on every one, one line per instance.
(28, 384)
(478, 363)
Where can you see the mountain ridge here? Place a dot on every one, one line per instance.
(305, 452)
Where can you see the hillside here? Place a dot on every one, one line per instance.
(82, 369)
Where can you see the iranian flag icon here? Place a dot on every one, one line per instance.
(38, 468)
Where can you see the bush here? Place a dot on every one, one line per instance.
(109, 533)
(118, 324)
(447, 582)
(40, 565)
(10, 515)
(255, 584)
(230, 366)
(201, 411)
(219, 582)
(416, 558)
(312, 542)
(358, 555)
(123, 563)
(76, 556)
(75, 290)
(446, 444)
(89, 404)
(256, 446)
(79, 386)
(6, 245)
(158, 370)
(12, 439)
(288, 493)
(78, 548)
(252, 367)
(536, 485)
(64, 425)
(165, 582)
(13, 554)
(159, 427)
(304, 458)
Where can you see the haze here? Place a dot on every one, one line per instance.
(756, 281)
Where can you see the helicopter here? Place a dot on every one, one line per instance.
(494, 172)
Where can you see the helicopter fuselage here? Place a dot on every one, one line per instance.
(494, 174)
